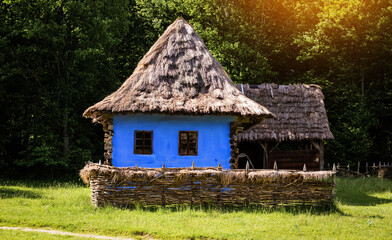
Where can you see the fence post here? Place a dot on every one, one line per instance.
(275, 166)
(367, 167)
(334, 168)
(304, 169)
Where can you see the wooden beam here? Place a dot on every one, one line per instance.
(315, 144)
(321, 155)
(264, 145)
(319, 145)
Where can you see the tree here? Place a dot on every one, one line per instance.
(57, 58)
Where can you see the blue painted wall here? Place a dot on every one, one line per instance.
(213, 144)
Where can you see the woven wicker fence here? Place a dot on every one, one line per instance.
(194, 186)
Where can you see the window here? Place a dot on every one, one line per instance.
(187, 143)
(143, 142)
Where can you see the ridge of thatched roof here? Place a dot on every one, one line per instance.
(299, 110)
(178, 75)
(119, 174)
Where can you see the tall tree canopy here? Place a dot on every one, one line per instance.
(59, 57)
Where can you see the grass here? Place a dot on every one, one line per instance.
(363, 211)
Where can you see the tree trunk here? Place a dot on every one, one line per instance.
(362, 83)
(66, 136)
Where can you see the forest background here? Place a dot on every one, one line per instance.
(59, 57)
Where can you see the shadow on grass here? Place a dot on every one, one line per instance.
(6, 192)
(357, 192)
(41, 183)
(298, 209)
(361, 199)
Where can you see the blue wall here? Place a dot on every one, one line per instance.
(213, 144)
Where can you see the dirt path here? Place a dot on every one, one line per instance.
(56, 232)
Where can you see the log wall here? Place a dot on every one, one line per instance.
(107, 125)
(295, 160)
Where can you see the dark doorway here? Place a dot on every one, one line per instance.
(254, 152)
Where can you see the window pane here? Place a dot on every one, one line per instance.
(139, 143)
(148, 135)
(192, 136)
(183, 136)
(147, 143)
(191, 152)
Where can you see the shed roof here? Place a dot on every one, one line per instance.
(178, 75)
(299, 110)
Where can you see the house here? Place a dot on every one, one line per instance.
(295, 136)
(178, 107)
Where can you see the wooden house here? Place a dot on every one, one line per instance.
(178, 107)
(295, 136)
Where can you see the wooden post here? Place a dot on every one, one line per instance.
(304, 169)
(334, 168)
(264, 145)
(275, 166)
(319, 145)
(374, 165)
(321, 155)
(234, 130)
(358, 166)
(367, 167)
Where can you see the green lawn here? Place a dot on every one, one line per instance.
(363, 211)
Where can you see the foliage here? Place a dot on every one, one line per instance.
(56, 57)
(59, 57)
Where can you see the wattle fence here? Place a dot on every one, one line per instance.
(127, 187)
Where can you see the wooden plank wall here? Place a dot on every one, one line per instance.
(295, 159)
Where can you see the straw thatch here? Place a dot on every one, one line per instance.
(119, 174)
(178, 75)
(299, 110)
(134, 186)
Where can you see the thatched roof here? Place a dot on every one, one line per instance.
(178, 75)
(299, 110)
